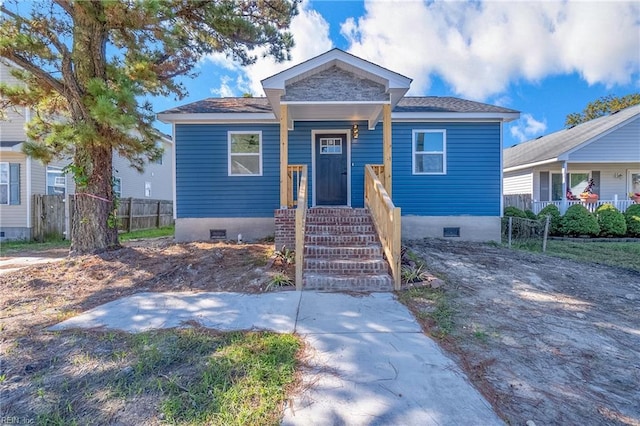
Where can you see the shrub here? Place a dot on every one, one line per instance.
(612, 223)
(632, 216)
(578, 221)
(530, 215)
(515, 212)
(556, 218)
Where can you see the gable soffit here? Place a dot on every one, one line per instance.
(335, 84)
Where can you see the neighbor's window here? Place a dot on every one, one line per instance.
(4, 183)
(429, 152)
(56, 181)
(576, 183)
(245, 153)
(147, 189)
(117, 187)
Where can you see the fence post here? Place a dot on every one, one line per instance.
(158, 221)
(130, 214)
(546, 232)
(510, 229)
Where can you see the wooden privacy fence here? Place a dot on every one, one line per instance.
(521, 201)
(48, 217)
(140, 213)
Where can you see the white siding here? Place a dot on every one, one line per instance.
(518, 182)
(621, 145)
(15, 215)
(12, 123)
(159, 175)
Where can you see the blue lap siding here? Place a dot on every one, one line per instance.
(470, 187)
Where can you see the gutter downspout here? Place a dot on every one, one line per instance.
(27, 116)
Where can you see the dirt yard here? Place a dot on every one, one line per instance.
(545, 339)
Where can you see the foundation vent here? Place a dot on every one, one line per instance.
(218, 234)
(450, 232)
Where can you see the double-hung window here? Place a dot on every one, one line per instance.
(4, 183)
(56, 181)
(117, 187)
(245, 153)
(429, 152)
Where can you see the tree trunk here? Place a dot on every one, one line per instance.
(93, 227)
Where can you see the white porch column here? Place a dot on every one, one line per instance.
(563, 208)
(284, 155)
(386, 143)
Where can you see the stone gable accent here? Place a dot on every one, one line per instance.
(335, 84)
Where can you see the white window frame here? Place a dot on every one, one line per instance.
(229, 154)
(119, 193)
(59, 181)
(7, 183)
(414, 152)
(147, 189)
(330, 144)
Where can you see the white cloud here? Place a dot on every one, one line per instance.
(225, 90)
(311, 35)
(480, 48)
(527, 128)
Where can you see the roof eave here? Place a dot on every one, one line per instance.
(240, 117)
(457, 116)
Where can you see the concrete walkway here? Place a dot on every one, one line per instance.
(369, 363)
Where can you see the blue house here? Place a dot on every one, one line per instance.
(334, 141)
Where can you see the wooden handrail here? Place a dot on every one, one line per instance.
(301, 219)
(386, 218)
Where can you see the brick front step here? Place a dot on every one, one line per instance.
(342, 212)
(366, 282)
(343, 266)
(343, 252)
(340, 229)
(341, 240)
(339, 220)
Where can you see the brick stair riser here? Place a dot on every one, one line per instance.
(343, 221)
(341, 240)
(352, 283)
(321, 211)
(362, 252)
(339, 229)
(346, 267)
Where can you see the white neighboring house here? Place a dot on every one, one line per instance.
(22, 176)
(606, 149)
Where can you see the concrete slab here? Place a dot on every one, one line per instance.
(221, 311)
(341, 313)
(384, 379)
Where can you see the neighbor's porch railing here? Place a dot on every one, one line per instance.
(386, 218)
(621, 205)
(298, 175)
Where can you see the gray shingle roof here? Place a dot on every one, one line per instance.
(552, 146)
(406, 104)
(9, 144)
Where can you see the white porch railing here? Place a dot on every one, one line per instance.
(621, 205)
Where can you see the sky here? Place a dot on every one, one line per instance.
(545, 59)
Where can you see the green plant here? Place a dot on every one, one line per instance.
(515, 212)
(278, 280)
(632, 217)
(285, 256)
(556, 218)
(578, 221)
(412, 274)
(612, 223)
(530, 215)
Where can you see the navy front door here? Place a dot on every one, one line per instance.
(331, 170)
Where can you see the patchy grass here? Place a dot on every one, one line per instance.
(166, 231)
(623, 255)
(186, 376)
(10, 247)
(432, 307)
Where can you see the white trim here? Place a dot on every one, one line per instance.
(28, 190)
(455, 116)
(347, 133)
(8, 203)
(218, 118)
(120, 180)
(335, 102)
(529, 165)
(173, 172)
(443, 152)
(629, 173)
(230, 133)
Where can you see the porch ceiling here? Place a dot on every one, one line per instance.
(325, 111)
